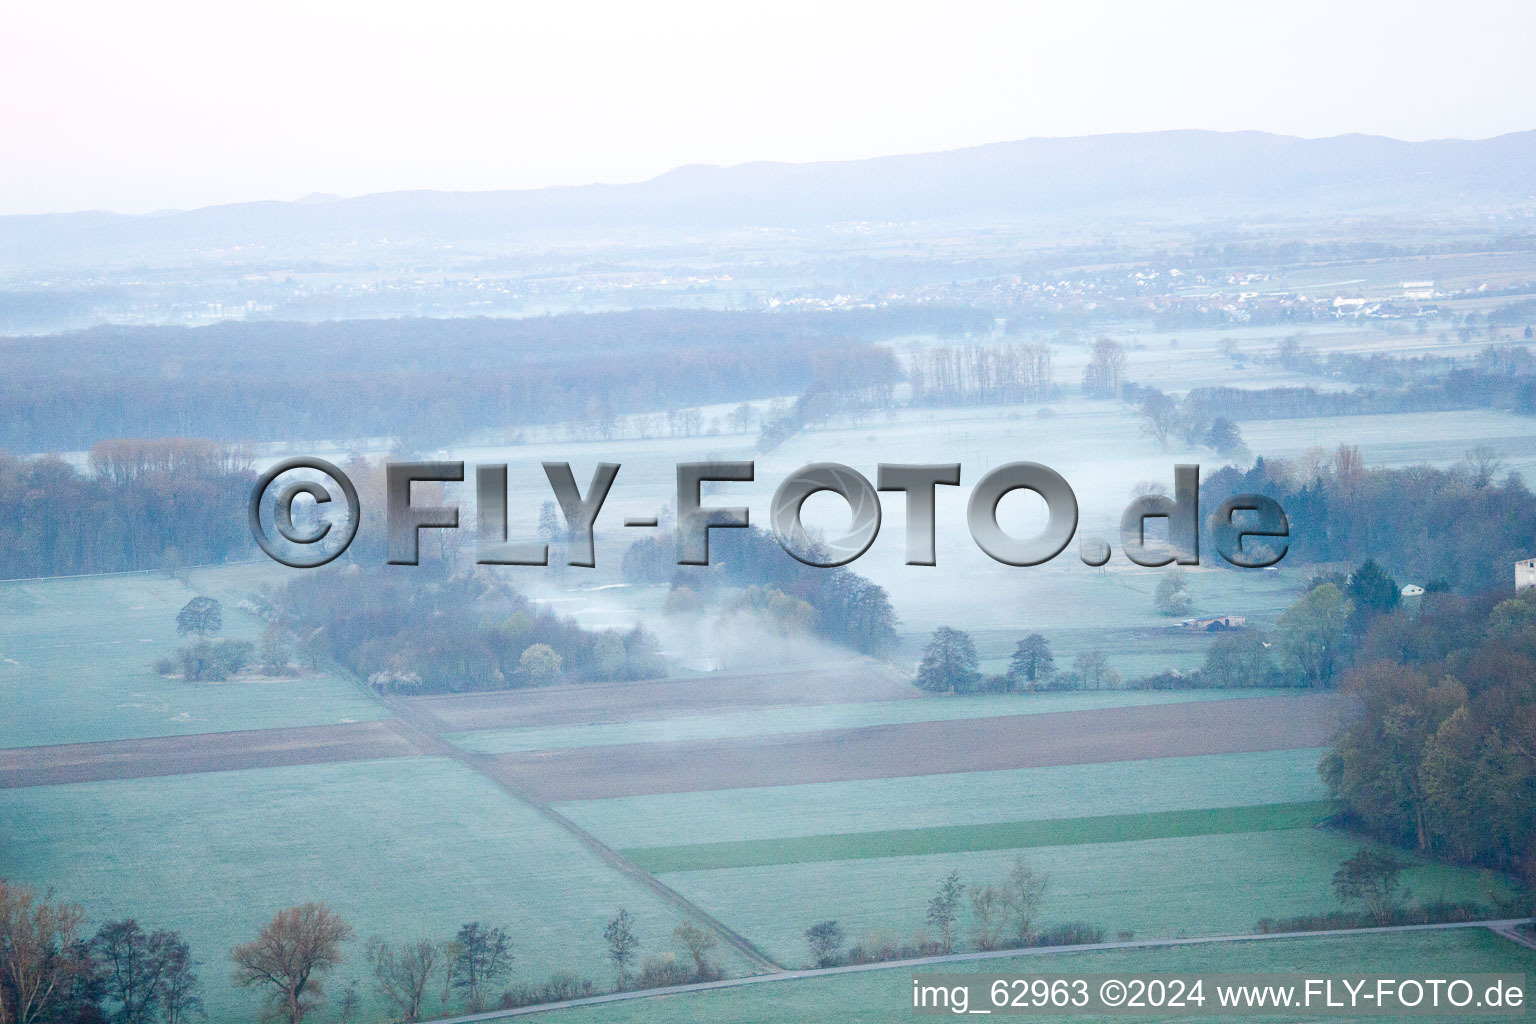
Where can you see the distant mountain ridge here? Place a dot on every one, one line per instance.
(1155, 174)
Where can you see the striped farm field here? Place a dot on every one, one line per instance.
(968, 798)
(812, 718)
(1008, 835)
(1163, 888)
(911, 749)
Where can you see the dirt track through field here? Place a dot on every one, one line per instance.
(928, 748)
(648, 699)
(420, 729)
(207, 752)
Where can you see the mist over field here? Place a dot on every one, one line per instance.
(232, 789)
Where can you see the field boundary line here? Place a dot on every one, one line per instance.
(1086, 830)
(409, 721)
(1496, 926)
(1514, 935)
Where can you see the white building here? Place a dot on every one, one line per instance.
(1525, 573)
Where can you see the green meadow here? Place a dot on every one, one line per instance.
(401, 848)
(966, 798)
(1155, 888)
(1006, 835)
(75, 667)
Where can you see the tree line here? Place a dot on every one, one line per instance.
(949, 665)
(53, 972)
(1442, 754)
(996, 914)
(1460, 528)
(415, 630)
(1007, 373)
(1501, 376)
(1313, 642)
(240, 381)
(140, 504)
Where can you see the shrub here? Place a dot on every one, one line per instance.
(560, 987)
(664, 971)
(1071, 933)
(875, 946)
(1172, 597)
(214, 660)
(882, 945)
(826, 942)
(564, 985)
(1433, 912)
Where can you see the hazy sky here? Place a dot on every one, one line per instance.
(151, 105)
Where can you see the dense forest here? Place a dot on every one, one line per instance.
(1460, 528)
(422, 379)
(143, 505)
(1442, 756)
(425, 630)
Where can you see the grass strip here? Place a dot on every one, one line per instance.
(1004, 835)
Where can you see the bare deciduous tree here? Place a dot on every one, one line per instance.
(1022, 893)
(40, 953)
(1159, 417)
(295, 946)
(1105, 370)
(987, 910)
(1371, 877)
(482, 957)
(349, 1004)
(130, 969)
(147, 974)
(274, 650)
(698, 942)
(179, 1001)
(404, 974)
(1483, 464)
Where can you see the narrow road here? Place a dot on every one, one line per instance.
(422, 730)
(1513, 934)
(1505, 928)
